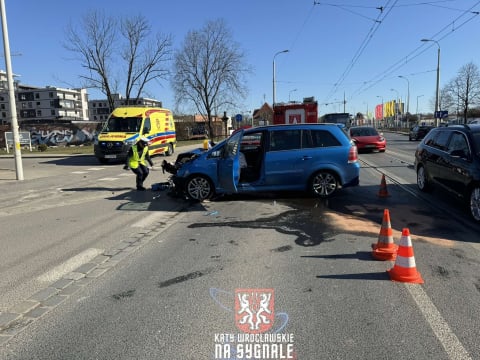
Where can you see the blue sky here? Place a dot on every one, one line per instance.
(352, 48)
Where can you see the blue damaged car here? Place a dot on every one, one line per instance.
(315, 158)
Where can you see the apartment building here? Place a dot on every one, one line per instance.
(54, 104)
(99, 110)
(51, 103)
(43, 104)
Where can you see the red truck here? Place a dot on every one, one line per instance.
(296, 113)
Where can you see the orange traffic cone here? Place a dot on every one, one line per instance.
(383, 192)
(385, 249)
(405, 269)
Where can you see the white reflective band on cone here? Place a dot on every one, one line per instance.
(406, 262)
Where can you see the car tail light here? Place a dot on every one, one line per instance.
(353, 154)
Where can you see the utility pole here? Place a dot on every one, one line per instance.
(274, 84)
(11, 95)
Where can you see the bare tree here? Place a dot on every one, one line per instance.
(209, 70)
(445, 100)
(99, 49)
(145, 63)
(465, 88)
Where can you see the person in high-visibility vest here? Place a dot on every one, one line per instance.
(137, 159)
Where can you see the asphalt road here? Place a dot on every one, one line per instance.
(165, 280)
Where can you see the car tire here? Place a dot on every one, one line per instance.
(199, 188)
(323, 184)
(475, 203)
(410, 138)
(422, 179)
(103, 161)
(169, 150)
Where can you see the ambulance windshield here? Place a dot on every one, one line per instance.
(122, 124)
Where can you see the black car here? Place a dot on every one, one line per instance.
(449, 157)
(418, 132)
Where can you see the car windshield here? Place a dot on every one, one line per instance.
(122, 124)
(363, 131)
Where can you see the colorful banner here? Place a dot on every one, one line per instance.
(379, 112)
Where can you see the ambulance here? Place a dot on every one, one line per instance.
(126, 125)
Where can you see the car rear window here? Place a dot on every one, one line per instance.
(439, 140)
(363, 131)
(319, 138)
(458, 142)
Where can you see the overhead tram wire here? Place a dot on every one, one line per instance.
(362, 47)
(433, 4)
(344, 7)
(380, 18)
(418, 51)
(292, 46)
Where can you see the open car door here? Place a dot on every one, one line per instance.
(229, 164)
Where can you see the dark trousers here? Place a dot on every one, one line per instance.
(142, 173)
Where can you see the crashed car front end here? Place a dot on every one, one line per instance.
(177, 183)
(182, 158)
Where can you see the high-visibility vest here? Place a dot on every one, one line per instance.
(135, 160)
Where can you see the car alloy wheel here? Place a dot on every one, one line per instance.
(198, 188)
(323, 184)
(422, 181)
(475, 203)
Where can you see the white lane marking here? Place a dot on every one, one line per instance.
(108, 179)
(96, 168)
(79, 172)
(70, 265)
(148, 220)
(453, 347)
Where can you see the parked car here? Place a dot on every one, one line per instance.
(418, 132)
(449, 157)
(368, 138)
(318, 158)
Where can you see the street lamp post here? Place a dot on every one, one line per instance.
(416, 112)
(290, 93)
(11, 94)
(366, 113)
(408, 98)
(437, 92)
(280, 52)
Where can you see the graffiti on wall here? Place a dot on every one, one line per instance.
(57, 134)
(64, 134)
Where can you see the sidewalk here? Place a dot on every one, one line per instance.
(31, 169)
